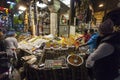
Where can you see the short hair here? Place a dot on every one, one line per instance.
(11, 33)
(106, 27)
(85, 30)
(91, 30)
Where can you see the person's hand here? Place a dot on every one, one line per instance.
(79, 39)
(83, 45)
(77, 48)
(89, 63)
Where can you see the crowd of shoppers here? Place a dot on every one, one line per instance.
(104, 47)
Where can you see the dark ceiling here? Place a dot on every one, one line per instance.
(109, 4)
(3, 3)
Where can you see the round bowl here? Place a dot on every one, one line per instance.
(74, 60)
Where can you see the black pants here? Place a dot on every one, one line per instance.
(91, 73)
(104, 78)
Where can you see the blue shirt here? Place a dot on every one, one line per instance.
(92, 42)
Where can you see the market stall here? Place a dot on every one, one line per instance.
(52, 58)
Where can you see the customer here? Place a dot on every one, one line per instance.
(105, 58)
(4, 63)
(11, 44)
(86, 36)
(92, 41)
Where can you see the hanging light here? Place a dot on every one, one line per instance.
(22, 8)
(101, 5)
(49, 0)
(12, 3)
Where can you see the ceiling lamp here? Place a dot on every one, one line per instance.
(22, 8)
(49, 0)
(101, 5)
(12, 3)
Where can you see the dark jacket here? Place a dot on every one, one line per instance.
(109, 64)
(2, 45)
(4, 61)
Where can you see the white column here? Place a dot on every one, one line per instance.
(53, 23)
(53, 16)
